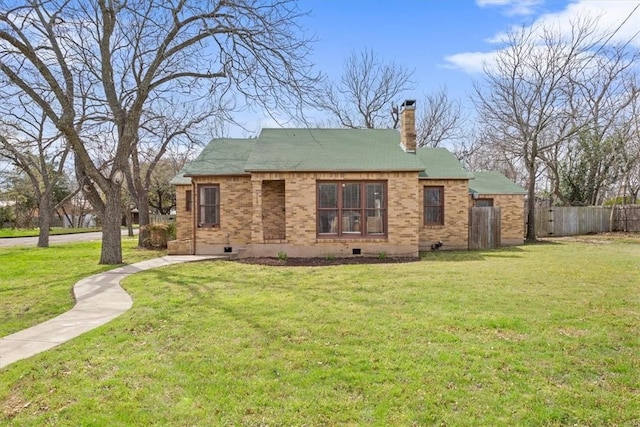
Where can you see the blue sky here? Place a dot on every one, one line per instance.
(444, 41)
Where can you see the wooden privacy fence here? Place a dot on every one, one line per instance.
(484, 228)
(627, 218)
(572, 220)
(577, 220)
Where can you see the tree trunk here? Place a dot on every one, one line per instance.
(111, 235)
(143, 217)
(129, 222)
(531, 208)
(44, 220)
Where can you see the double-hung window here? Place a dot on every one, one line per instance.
(352, 208)
(208, 205)
(433, 205)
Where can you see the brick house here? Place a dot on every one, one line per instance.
(334, 192)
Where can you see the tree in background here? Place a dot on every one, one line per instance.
(439, 119)
(527, 104)
(588, 169)
(364, 95)
(162, 195)
(38, 151)
(603, 93)
(161, 135)
(21, 194)
(96, 68)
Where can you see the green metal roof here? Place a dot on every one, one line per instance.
(493, 183)
(310, 150)
(440, 163)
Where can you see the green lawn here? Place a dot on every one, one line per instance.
(33, 232)
(36, 283)
(536, 335)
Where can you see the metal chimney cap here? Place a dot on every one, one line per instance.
(409, 103)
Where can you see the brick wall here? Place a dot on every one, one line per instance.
(454, 234)
(235, 216)
(300, 214)
(250, 209)
(184, 222)
(273, 209)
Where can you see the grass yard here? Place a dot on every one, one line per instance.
(33, 232)
(543, 334)
(36, 283)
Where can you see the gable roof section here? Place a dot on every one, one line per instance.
(493, 183)
(320, 150)
(330, 150)
(222, 156)
(440, 163)
(180, 179)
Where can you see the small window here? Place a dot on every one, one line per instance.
(209, 206)
(188, 196)
(484, 203)
(433, 205)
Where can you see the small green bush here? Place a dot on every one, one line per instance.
(172, 231)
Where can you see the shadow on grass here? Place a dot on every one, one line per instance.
(546, 242)
(472, 255)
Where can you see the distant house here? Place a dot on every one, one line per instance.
(335, 192)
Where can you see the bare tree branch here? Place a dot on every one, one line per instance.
(365, 94)
(440, 120)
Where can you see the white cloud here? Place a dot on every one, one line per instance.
(512, 7)
(610, 15)
(470, 62)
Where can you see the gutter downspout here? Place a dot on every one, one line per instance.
(194, 215)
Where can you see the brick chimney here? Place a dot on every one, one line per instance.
(408, 126)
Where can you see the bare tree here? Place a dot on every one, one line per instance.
(29, 143)
(479, 152)
(103, 61)
(525, 102)
(363, 97)
(441, 119)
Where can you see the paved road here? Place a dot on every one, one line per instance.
(64, 238)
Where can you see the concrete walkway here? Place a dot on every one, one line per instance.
(99, 299)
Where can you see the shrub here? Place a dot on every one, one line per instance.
(158, 234)
(172, 231)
